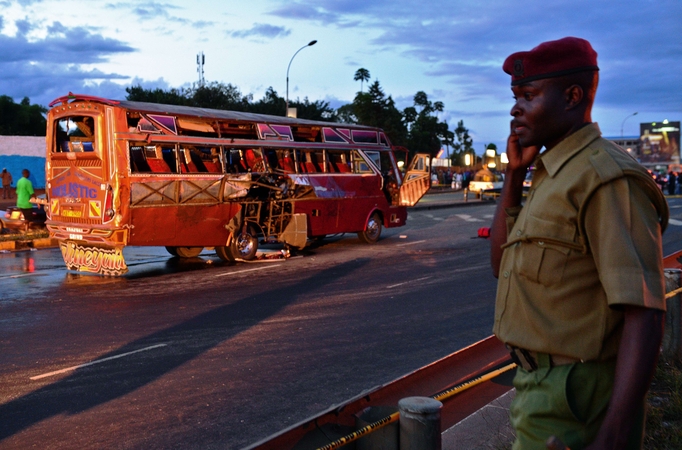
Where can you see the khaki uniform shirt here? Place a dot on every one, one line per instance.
(561, 280)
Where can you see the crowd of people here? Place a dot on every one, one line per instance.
(670, 183)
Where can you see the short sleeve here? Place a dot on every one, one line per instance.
(624, 236)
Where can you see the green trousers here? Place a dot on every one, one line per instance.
(567, 401)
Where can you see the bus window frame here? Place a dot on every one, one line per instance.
(57, 152)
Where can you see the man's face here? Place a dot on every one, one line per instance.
(539, 112)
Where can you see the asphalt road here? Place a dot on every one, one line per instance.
(204, 354)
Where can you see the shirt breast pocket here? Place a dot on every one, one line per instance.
(542, 257)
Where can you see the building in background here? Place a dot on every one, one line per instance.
(657, 147)
(24, 152)
(659, 143)
(630, 143)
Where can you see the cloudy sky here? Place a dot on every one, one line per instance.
(452, 50)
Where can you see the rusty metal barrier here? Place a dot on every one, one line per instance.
(454, 374)
(395, 416)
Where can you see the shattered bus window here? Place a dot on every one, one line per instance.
(75, 134)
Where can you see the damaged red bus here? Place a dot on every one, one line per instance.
(129, 173)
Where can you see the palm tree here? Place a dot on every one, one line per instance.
(361, 75)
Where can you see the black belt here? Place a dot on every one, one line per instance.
(531, 360)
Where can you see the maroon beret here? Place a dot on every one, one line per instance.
(551, 59)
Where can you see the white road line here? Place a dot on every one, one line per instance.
(410, 243)
(468, 218)
(69, 369)
(406, 282)
(244, 271)
(24, 275)
(675, 222)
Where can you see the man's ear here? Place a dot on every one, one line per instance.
(574, 96)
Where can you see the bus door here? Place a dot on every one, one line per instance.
(417, 180)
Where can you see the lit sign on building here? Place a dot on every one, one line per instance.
(660, 142)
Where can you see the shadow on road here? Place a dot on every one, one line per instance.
(95, 385)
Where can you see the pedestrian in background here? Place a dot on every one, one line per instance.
(25, 194)
(672, 182)
(581, 292)
(6, 184)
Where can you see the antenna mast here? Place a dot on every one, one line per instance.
(201, 59)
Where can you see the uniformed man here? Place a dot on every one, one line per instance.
(580, 299)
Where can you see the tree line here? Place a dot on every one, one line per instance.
(21, 119)
(417, 127)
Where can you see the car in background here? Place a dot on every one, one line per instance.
(12, 219)
(485, 180)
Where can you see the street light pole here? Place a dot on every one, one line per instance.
(621, 125)
(311, 43)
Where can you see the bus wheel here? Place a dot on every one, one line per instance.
(372, 230)
(172, 250)
(188, 252)
(224, 253)
(245, 244)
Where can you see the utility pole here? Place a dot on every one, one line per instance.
(201, 59)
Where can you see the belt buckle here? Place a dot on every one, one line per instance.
(523, 358)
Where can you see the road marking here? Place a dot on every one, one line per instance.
(410, 243)
(675, 222)
(468, 218)
(406, 282)
(23, 275)
(245, 270)
(69, 369)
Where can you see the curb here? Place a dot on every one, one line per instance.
(487, 428)
(450, 204)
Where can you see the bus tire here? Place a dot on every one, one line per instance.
(188, 252)
(172, 250)
(245, 244)
(372, 230)
(224, 253)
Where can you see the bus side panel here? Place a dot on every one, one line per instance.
(185, 226)
(322, 215)
(343, 203)
(397, 217)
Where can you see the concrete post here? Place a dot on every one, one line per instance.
(420, 423)
(672, 335)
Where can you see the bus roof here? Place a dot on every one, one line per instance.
(205, 113)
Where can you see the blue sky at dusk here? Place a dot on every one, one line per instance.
(452, 50)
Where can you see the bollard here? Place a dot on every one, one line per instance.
(672, 334)
(420, 423)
